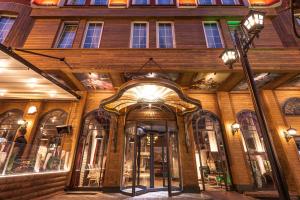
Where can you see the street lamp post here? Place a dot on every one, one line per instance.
(250, 28)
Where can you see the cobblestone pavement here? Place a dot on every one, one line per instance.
(151, 195)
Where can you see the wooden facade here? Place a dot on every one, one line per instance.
(37, 28)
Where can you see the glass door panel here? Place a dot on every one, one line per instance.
(128, 158)
(143, 162)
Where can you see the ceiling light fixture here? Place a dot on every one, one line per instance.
(2, 92)
(52, 93)
(4, 62)
(150, 93)
(32, 82)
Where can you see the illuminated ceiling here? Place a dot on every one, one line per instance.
(150, 91)
(19, 79)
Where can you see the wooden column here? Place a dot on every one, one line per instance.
(33, 120)
(240, 171)
(75, 118)
(114, 161)
(226, 34)
(286, 151)
(187, 158)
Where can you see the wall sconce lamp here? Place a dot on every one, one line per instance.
(32, 110)
(290, 133)
(235, 127)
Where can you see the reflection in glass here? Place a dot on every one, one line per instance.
(255, 150)
(49, 147)
(8, 129)
(92, 150)
(151, 152)
(211, 160)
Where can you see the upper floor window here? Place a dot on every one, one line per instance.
(139, 35)
(212, 35)
(93, 34)
(206, 2)
(67, 36)
(76, 2)
(5, 26)
(229, 2)
(165, 35)
(99, 2)
(140, 2)
(233, 26)
(164, 2)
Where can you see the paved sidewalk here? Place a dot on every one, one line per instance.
(151, 195)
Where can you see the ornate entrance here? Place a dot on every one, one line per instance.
(151, 160)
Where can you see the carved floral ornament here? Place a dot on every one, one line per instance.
(150, 91)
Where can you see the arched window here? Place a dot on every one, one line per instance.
(8, 128)
(291, 106)
(92, 150)
(210, 150)
(47, 145)
(9, 123)
(254, 149)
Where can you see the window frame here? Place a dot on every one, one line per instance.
(236, 2)
(172, 4)
(157, 33)
(213, 3)
(69, 4)
(86, 30)
(134, 4)
(62, 26)
(147, 33)
(93, 3)
(9, 16)
(220, 33)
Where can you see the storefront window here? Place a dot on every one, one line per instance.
(48, 148)
(8, 128)
(255, 150)
(211, 160)
(92, 150)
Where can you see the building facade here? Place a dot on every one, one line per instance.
(155, 104)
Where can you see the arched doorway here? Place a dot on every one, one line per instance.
(151, 160)
(8, 129)
(211, 157)
(255, 150)
(92, 151)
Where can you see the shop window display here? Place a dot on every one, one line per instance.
(211, 160)
(92, 150)
(8, 129)
(50, 148)
(255, 150)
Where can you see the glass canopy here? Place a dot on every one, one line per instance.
(150, 91)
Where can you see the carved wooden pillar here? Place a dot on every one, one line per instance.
(113, 169)
(286, 151)
(240, 170)
(187, 157)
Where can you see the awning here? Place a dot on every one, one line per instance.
(150, 91)
(19, 79)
